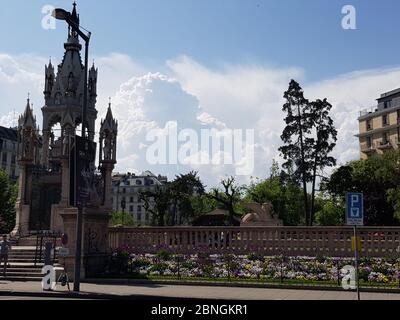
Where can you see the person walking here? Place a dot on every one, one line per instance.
(5, 247)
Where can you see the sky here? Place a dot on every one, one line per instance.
(213, 64)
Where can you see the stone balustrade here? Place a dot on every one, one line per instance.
(290, 241)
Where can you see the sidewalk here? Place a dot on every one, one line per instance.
(166, 291)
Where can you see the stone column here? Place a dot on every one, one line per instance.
(45, 148)
(107, 169)
(21, 209)
(65, 182)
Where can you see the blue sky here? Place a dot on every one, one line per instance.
(209, 63)
(304, 33)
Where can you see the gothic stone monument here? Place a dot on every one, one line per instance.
(46, 187)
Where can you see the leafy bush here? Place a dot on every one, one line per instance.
(164, 255)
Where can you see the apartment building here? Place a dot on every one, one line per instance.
(8, 151)
(126, 189)
(380, 125)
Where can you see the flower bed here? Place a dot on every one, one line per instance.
(254, 267)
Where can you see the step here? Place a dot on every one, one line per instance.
(24, 274)
(19, 261)
(22, 279)
(23, 270)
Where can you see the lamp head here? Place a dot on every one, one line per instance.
(61, 14)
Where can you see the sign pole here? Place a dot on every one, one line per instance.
(356, 261)
(355, 217)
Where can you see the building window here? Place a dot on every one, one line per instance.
(1, 144)
(130, 208)
(385, 120)
(13, 159)
(385, 138)
(4, 158)
(147, 216)
(369, 142)
(369, 125)
(388, 104)
(139, 208)
(139, 217)
(123, 190)
(131, 199)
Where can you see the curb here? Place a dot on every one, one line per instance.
(88, 296)
(233, 285)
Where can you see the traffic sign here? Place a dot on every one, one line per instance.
(354, 209)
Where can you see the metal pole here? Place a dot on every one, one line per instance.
(356, 261)
(85, 91)
(78, 250)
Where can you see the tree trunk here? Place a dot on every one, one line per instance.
(312, 211)
(303, 166)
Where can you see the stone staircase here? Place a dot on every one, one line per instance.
(22, 266)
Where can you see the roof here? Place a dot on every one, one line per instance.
(8, 134)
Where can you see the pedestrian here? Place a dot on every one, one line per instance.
(5, 247)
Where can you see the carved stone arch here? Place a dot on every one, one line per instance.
(53, 120)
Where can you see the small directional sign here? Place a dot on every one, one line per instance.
(354, 209)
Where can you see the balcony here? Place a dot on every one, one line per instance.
(368, 149)
(384, 145)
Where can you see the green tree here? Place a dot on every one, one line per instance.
(296, 151)
(157, 203)
(120, 218)
(183, 189)
(282, 191)
(229, 197)
(378, 178)
(331, 211)
(309, 137)
(8, 196)
(323, 143)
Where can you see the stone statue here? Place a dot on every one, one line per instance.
(70, 82)
(261, 215)
(27, 144)
(66, 142)
(107, 148)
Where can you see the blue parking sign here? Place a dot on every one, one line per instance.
(354, 209)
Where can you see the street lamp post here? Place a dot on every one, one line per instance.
(61, 14)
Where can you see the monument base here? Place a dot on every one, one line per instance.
(94, 239)
(22, 224)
